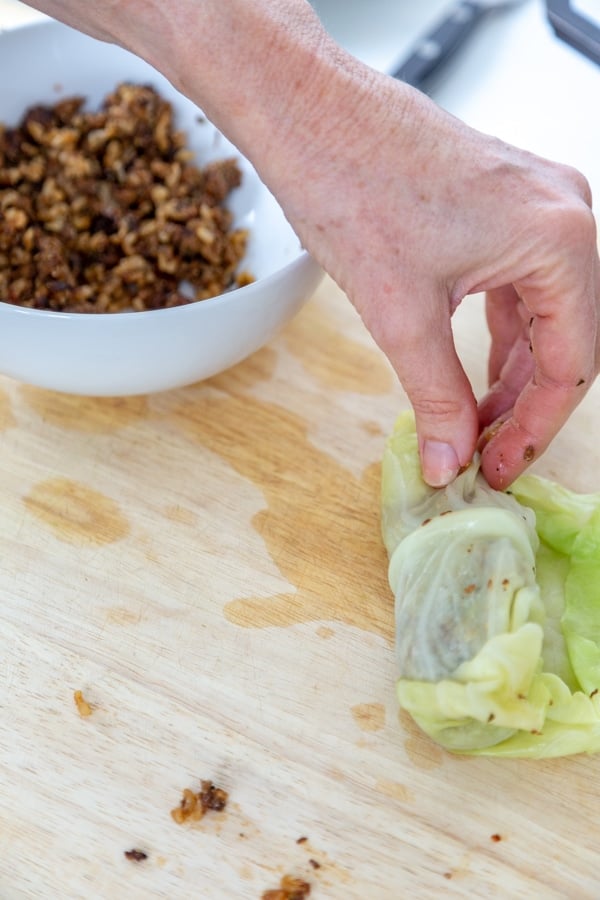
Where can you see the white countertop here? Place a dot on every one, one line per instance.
(513, 77)
(518, 80)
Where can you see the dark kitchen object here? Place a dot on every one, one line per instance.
(576, 27)
(444, 39)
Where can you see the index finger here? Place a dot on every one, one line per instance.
(565, 309)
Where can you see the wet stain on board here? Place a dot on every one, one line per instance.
(7, 419)
(369, 716)
(395, 789)
(423, 753)
(180, 514)
(255, 370)
(358, 368)
(372, 429)
(321, 523)
(75, 513)
(119, 615)
(86, 414)
(325, 632)
(421, 750)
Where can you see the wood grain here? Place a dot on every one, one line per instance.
(206, 567)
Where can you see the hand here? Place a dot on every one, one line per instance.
(407, 208)
(411, 211)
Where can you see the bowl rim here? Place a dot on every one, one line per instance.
(225, 298)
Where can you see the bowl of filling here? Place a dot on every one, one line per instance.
(139, 250)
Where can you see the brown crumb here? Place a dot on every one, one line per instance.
(528, 452)
(105, 211)
(495, 838)
(448, 875)
(314, 863)
(594, 692)
(83, 707)
(302, 840)
(490, 433)
(290, 888)
(193, 806)
(470, 588)
(135, 855)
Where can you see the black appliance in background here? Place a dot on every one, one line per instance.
(578, 24)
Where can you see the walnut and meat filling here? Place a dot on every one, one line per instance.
(105, 211)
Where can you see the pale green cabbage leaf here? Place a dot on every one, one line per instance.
(497, 605)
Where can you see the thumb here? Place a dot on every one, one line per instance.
(425, 359)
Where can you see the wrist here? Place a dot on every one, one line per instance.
(266, 73)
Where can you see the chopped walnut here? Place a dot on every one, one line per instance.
(105, 211)
(193, 806)
(290, 888)
(135, 855)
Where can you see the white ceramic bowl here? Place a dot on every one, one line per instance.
(142, 352)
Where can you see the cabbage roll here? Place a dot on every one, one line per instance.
(497, 607)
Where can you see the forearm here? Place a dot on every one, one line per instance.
(262, 70)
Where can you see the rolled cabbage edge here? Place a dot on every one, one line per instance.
(531, 690)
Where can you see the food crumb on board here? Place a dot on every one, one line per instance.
(193, 805)
(495, 837)
(290, 888)
(83, 707)
(135, 855)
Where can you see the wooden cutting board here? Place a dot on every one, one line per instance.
(205, 566)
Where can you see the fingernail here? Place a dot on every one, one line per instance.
(440, 463)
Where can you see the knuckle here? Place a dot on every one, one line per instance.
(580, 184)
(583, 223)
(443, 409)
(568, 180)
(572, 224)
